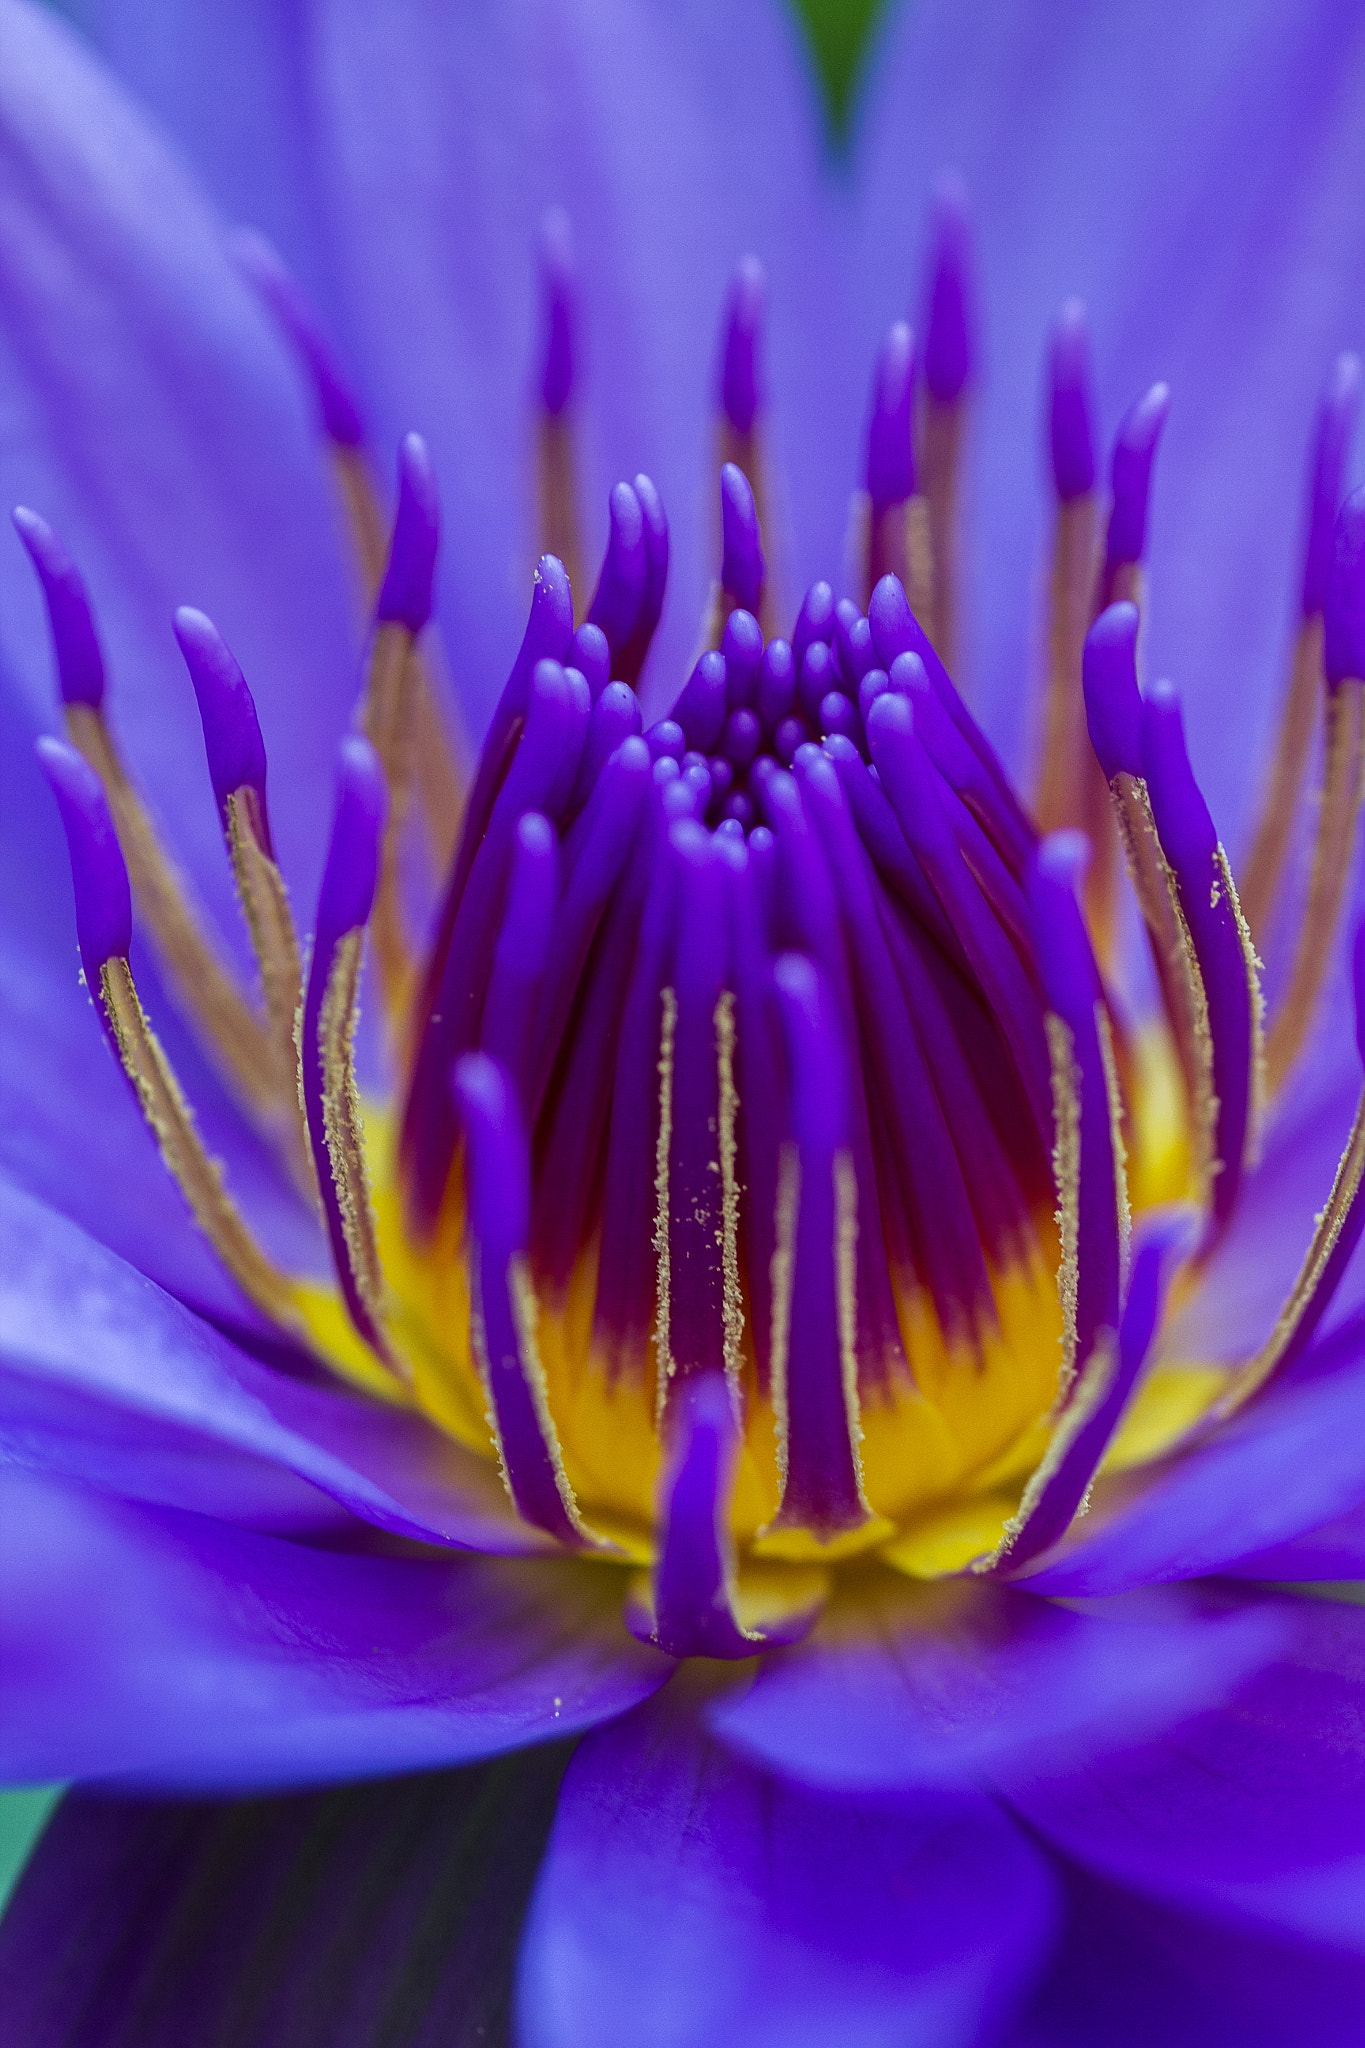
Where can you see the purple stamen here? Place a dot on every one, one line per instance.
(666, 740)
(591, 656)
(558, 293)
(1344, 611)
(819, 676)
(775, 690)
(822, 1489)
(1071, 408)
(739, 810)
(948, 339)
(615, 717)
(1135, 447)
(1336, 423)
(104, 904)
(1190, 845)
(232, 735)
(742, 645)
(260, 265)
(739, 382)
(1113, 706)
(741, 738)
(742, 567)
(631, 658)
(352, 871)
(625, 567)
(700, 709)
(853, 645)
(890, 475)
(838, 715)
(405, 594)
(80, 665)
(816, 619)
(522, 947)
(499, 1173)
(791, 734)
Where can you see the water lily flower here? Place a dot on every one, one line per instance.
(680, 1358)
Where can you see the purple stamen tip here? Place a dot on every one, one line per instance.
(1344, 611)
(1331, 445)
(591, 656)
(232, 733)
(739, 385)
(948, 339)
(631, 657)
(500, 1201)
(1063, 858)
(700, 709)
(742, 646)
(405, 594)
(625, 569)
(1113, 707)
(557, 285)
(890, 476)
(260, 265)
(815, 620)
(80, 665)
(352, 871)
(1358, 984)
(1071, 411)
(742, 567)
(1135, 448)
(104, 905)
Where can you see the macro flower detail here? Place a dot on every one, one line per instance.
(691, 1257)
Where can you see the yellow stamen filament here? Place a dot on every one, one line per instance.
(1251, 1150)
(920, 564)
(895, 542)
(528, 1362)
(783, 1273)
(344, 1132)
(732, 1297)
(1343, 770)
(198, 1177)
(663, 1263)
(1114, 1095)
(1288, 773)
(1095, 1381)
(232, 1033)
(1066, 1175)
(557, 492)
(943, 428)
(845, 1250)
(1059, 799)
(440, 779)
(1345, 1187)
(265, 906)
(387, 716)
(1182, 984)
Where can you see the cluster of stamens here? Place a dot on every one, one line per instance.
(759, 1170)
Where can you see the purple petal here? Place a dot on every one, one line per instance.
(739, 1908)
(904, 1684)
(1253, 1812)
(108, 1379)
(165, 1911)
(168, 1649)
(1290, 1462)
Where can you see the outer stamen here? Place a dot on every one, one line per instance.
(1065, 765)
(741, 393)
(203, 987)
(440, 775)
(814, 1311)
(1298, 717)
(237, 770)
(104, 930)
(1343, 775)
(402, 609)
(696, 1598)
(330, 1098)
(630, 658)
(1222, 945)
(559, 525)
(1092, 1202)
(743, 570)
(947, 374)
(1334, 1240)
(503, 1304)
(522, 948)
(625, 569)
(896, 540)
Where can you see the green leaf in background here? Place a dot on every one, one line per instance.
(22, 1815)
(839, 33)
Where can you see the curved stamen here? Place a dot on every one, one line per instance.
(1228, 966)
(1343, 776)
(948, 354)
(631, 657)
(1299, 714)
(522, 948)
(503, 1304)
(237, 770)
(104, 931)
(1130, 477)
(1092, 1200)
(701, 706)
(620, 589)
(741, 357)
(814, 1306)
(203, 988)
(1334, 1240)
(331, 1101)
(742, 567)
